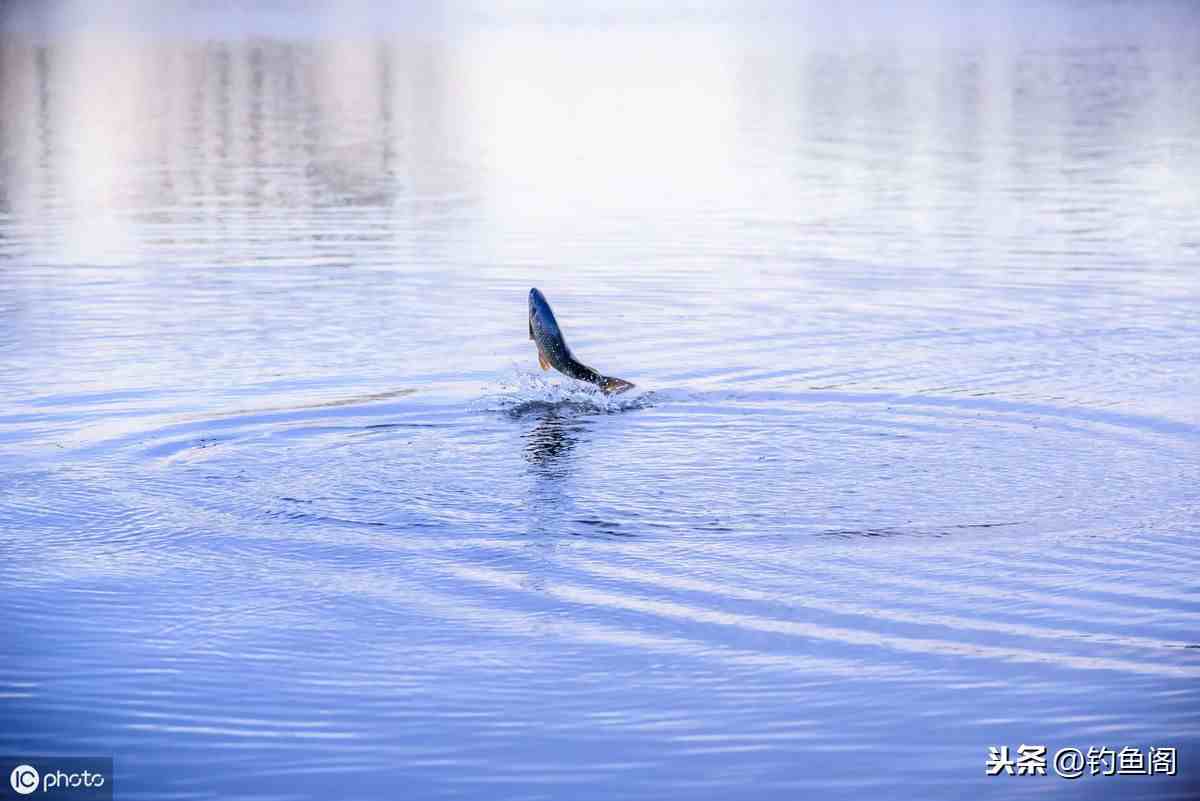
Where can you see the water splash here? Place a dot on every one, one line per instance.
(525, 393)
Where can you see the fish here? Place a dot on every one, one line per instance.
(553, 351)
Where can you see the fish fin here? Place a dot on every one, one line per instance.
(542, 360)
(614, 386)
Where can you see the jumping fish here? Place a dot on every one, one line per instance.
(553, 350)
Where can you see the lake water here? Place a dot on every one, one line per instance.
(912, 467)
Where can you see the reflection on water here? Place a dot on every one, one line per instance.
(551, 440)
(417, 141)
(287, 507)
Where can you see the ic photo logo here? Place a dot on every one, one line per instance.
(24, 779)
(58, 778)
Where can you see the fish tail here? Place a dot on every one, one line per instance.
(614, 386)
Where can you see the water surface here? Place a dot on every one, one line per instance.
(288, 510)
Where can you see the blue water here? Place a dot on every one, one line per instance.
(912, 468)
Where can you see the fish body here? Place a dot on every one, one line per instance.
(553, 350)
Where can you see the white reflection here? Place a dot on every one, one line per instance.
(136, 136)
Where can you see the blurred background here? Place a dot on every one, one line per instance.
(1001, 132)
